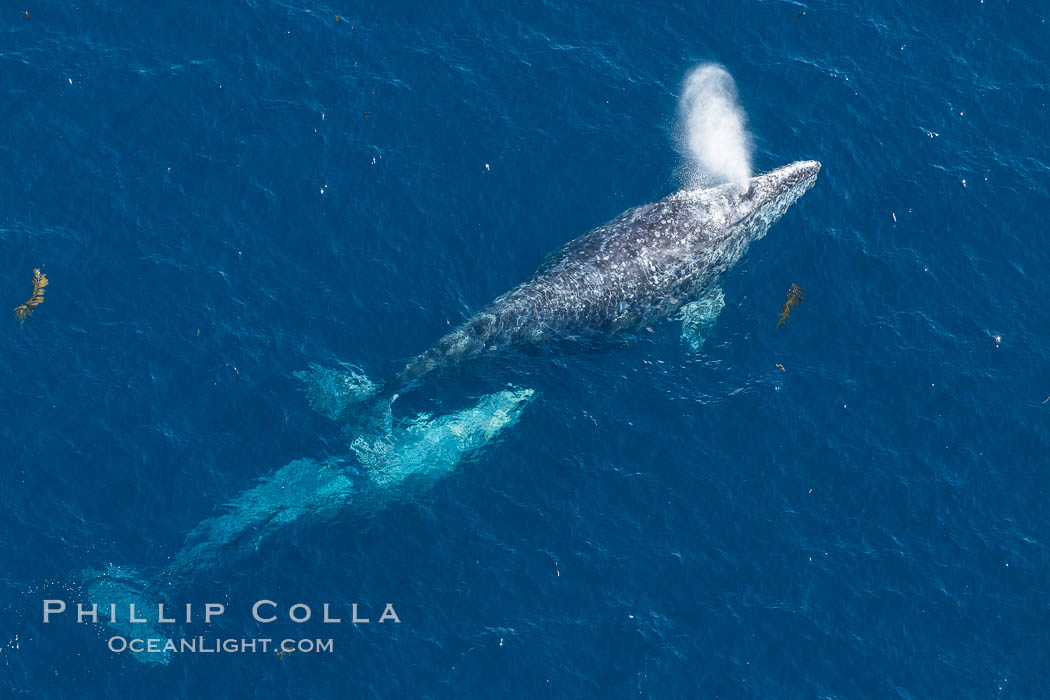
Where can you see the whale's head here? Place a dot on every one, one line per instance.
(766, 197)
(729, 217)
(775, 191)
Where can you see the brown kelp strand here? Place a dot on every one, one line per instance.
(25, 310)
(793, 298)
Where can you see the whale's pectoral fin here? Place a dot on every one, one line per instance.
(698, 318)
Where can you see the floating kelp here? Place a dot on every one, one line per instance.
(793, 298)
(25, 310)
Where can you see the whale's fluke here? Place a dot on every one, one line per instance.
(331, 391)
(122, 587)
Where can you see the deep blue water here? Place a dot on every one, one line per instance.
(222, 194)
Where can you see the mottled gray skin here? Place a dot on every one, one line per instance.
(639, 268)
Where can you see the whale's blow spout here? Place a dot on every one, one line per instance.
(712, 129)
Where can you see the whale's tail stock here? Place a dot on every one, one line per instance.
(346, 394)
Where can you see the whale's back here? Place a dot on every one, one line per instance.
(634, 269)
(629, 273)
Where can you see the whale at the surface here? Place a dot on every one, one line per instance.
(650, 263)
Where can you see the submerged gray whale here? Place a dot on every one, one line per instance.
(648, 264)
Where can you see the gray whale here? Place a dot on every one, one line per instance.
(644, 266)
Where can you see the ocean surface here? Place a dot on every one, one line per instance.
(223, 195)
